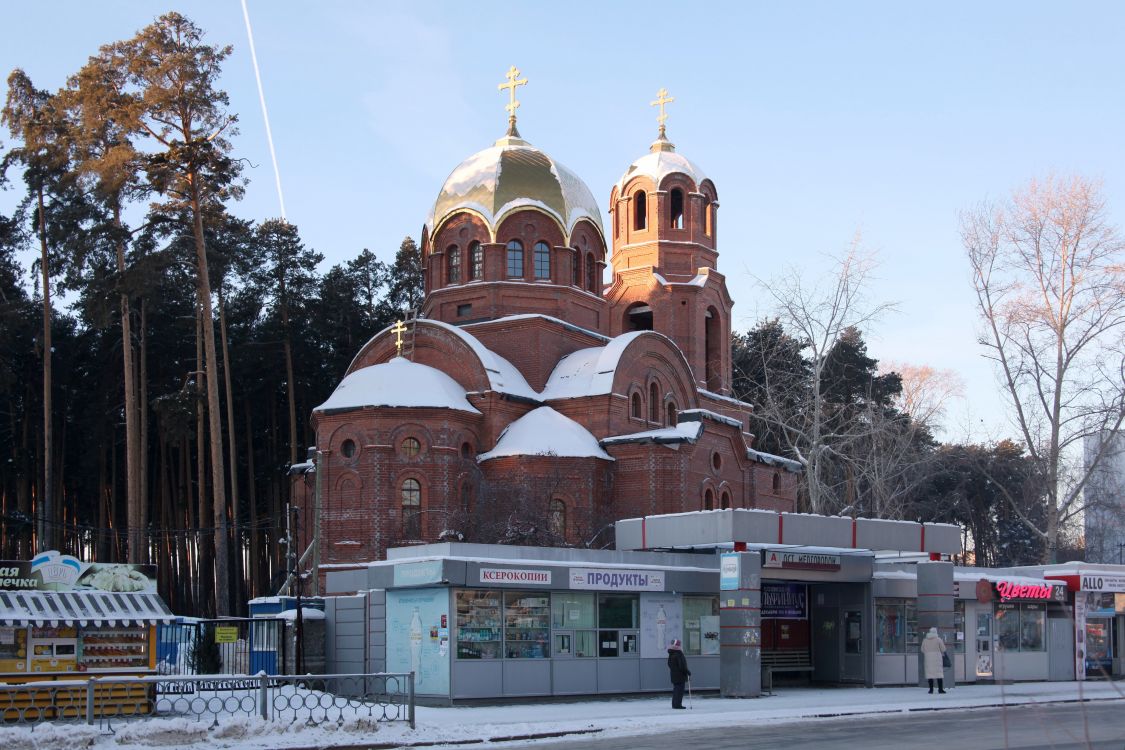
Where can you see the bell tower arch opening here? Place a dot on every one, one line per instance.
(638, 317)
(676, 209)
(640, 211)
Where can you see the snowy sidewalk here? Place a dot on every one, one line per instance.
(605, 717)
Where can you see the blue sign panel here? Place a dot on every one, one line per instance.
(788, 601)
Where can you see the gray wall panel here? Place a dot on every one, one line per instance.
(527, 677)
(477, 679)
(817, 531)
(349, 631)
(872, 533)
(619, 676)
(574, 676)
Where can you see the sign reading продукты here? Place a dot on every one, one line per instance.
(800, 561)
(609, 579)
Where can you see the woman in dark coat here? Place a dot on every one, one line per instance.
(677, 666)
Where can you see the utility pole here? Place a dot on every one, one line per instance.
(298, 584)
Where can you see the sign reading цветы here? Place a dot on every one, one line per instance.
(611, 579)
(799, 560)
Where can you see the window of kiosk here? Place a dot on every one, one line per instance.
(618, 620)
(573, 618)
(1021, 627)
(890, 626)
(701, 634)
(527, 621)
(958, 645)
(113, 647)
(13, 649)
(479, 626)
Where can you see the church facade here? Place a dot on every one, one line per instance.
(529, 402)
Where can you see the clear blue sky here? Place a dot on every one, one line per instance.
(813, 119)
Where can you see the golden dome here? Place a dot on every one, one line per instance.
(510, 175)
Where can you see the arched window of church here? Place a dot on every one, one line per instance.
(515, 259)
(636, 406)
(476, 261)
(713, 357)
(591, 274)
(653, 402)
(577, 268)
(411, 509)
(454, 256)
(542, 260)
(411, 447)
(557, 517)
(776, 481)
(638, 317)
(677, 213)
(724, 503)
(706, 216)
(672, 415)
(466, 498)
(640, 210)
(708, 500)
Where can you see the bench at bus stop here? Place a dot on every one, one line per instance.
(774, 662)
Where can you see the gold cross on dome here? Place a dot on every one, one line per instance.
(398, 330)
(513, 81)
(662, 98)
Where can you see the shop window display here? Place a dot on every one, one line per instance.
(1021, 627)
(701, 632)
(896, 626)
(478, 624)
(526, 625)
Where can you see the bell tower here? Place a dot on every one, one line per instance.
(663, 212)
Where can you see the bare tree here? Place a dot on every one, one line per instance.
(926, 392)
(1049, 275)
(819, 315)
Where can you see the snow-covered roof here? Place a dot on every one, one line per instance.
(81, 608)
(697, 280)
(503, 377)
(545, 432)
(770, 459)
(398, 382)
(513, 174)
(540, 316)
(694, 415)
(684, 432)
(658, 164)
(588, 372)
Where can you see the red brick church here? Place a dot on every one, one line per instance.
(528, 401)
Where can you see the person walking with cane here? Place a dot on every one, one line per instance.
(679, 672)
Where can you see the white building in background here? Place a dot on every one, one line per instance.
(1105, 500)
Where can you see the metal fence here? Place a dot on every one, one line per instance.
(312, 699)
(244, 645)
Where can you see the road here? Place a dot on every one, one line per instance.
(1097, 726)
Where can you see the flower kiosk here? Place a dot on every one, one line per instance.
(62, 619)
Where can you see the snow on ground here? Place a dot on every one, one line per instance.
(613, 717)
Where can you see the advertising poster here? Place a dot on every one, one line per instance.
(662, 619)
(785, 601)
(418, 637)
(54, 571)
(709, 629)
